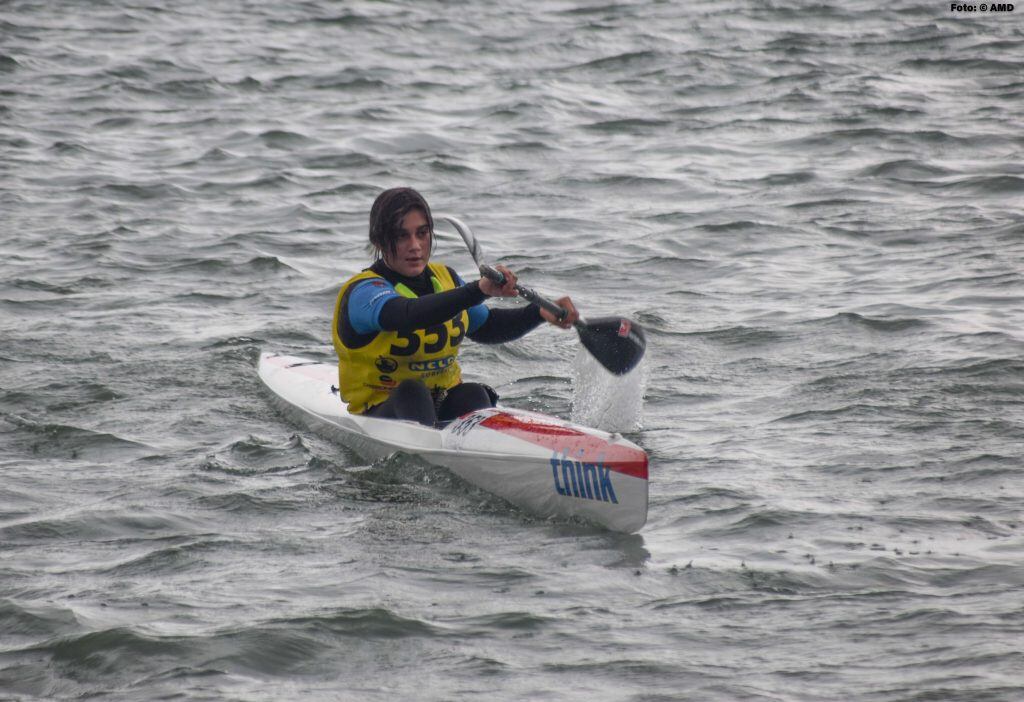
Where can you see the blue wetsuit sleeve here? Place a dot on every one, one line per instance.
(478, 314)
(365, 303)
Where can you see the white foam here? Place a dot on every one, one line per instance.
(605, 401)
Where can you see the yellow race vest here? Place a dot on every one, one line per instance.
(370, 366)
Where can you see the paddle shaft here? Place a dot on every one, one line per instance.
(528, 294)
(497, 276)
(616, 343)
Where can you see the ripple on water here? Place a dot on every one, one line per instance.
(92, 524)
(825, 254)
(65, 441)
(255, 455)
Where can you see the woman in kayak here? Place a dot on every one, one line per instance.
(398, 324)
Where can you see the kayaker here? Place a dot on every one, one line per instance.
(398, 324)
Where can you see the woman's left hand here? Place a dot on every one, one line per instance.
(566, 303)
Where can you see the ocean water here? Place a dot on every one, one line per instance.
(815, 209)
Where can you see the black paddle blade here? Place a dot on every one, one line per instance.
(617, 343)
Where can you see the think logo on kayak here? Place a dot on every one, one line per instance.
(587, 481)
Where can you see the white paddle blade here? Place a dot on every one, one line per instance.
(467, 236)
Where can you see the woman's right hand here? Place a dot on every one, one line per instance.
(492, 289)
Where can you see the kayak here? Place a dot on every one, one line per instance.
(545, 465)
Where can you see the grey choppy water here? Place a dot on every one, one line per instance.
(814, 208)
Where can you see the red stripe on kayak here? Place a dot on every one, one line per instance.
(509, 424)
(575, 444)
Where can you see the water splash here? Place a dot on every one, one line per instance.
(605, 401)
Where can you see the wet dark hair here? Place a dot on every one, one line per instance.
(387, 213)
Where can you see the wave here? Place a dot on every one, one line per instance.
(627, 125)
(284, 139)
(349, 19)
(411, 142)
(117, 123)
(714, 494)
(445, 166)
(70, 148)
(167, 560)
(351, 84)
(104, 651)
(733, 226)
(613, 9)
(270, 181)
(781, 179)
(36, 621)
(519, 145)
(8, 64)
(41, 286)
(984, 185)
(1002, 370)
(341, 161)
(74, 287)
(852, 411)
(741, 336)
(361, 623)
(214, 155)
(51, 440)
(758, 522)
(135, 192)
(905, 169)
(971, 66)
(601, 181)
(78, 395)
(261, 265)
(14, 142)
(874, 135)
(256, 456)
(198, 87)
(893, 112)
(208, 298)
(235, 341)
(103, 663)
(96, 525)
(890, 324)
(249, 502)
(626, 59)
(841, 203)
(357, 191)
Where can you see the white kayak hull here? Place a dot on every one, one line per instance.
(545, 465)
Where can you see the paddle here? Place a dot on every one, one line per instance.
(616, 343)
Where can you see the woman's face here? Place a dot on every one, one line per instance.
(412, 250)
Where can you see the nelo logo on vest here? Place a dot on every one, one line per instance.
(432, 365)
